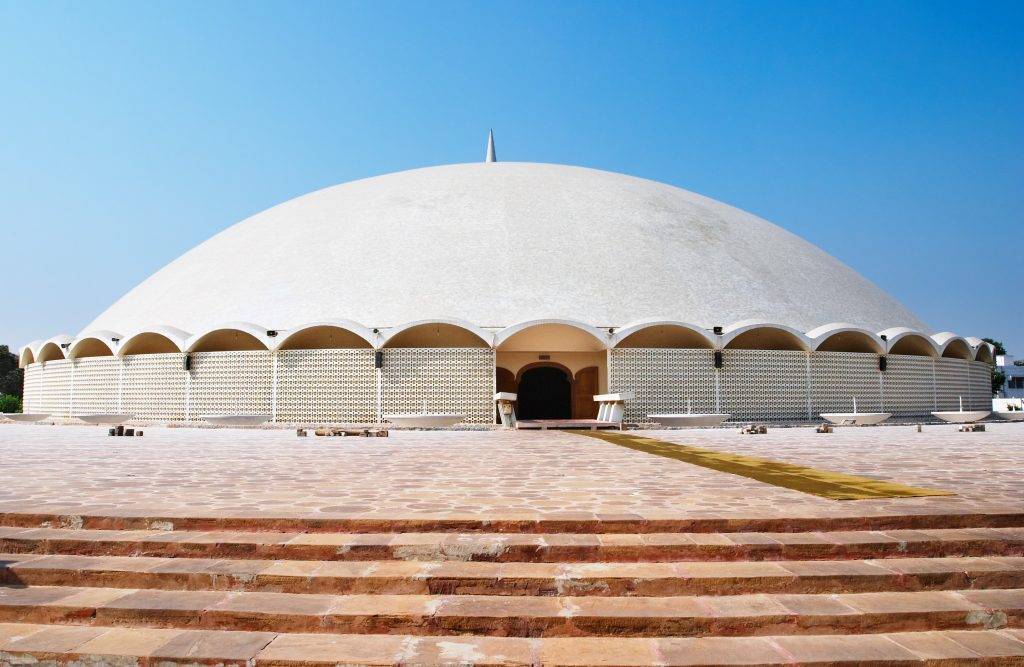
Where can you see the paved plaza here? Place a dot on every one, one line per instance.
(80, 470)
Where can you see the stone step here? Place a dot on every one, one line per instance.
(538, 579)
(104, 645)
(531, 522)
(550, 548)
(518, 616)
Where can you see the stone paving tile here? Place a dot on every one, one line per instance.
(932, 645)
(598, 651)
(988, 643)
(219, 644)
(718, 651)
(846, 648)
(1004, 599)
(129, 641)
(164, 601)
(899, 603)
(275, 603)
(10, 632)
(54, 639)
(460, 474)
(340, 649)
(475, 651)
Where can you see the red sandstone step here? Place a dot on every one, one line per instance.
(518, 616)
(551, 548)
(552, 522)
(488, 578)
(142, 646)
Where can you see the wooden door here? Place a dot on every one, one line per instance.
(584, 388)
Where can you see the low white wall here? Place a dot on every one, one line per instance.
(324, 386)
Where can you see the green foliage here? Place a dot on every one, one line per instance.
(11, 377)
(9, 403)
(996, 344)
(998, 380)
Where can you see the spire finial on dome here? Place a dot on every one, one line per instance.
(491, 157)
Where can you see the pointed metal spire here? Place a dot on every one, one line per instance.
(491, 157)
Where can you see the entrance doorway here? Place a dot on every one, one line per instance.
(545, 392)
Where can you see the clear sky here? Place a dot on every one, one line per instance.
(890, 134)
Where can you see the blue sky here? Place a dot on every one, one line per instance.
(890, 134)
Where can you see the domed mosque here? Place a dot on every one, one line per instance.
(429, 290)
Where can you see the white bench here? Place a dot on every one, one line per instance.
(612, 407)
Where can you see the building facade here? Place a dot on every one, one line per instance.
(555, 282)
(1014, 385)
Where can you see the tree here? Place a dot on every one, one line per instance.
(1000, 349)
(998, 380)
(998, 376)
(11, 377)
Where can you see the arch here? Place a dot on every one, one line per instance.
(901, 340)
(551, 335)
(94, 344)
(953, 346)
(49, 351)
(328, 334)
(664, 334)
(153, 340)
(438, 333)
(763, 336)
(230, 337)
(841, 337)
(26, 355)
(983, 352)
(540, 364)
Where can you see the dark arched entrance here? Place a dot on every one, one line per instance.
(545, 392)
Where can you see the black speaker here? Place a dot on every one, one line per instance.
(378, 359)
(718, 358)
(188, 362)
(882, 362)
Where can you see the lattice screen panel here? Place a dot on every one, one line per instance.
(663, 380)
(230, 383)
(764, 384)
(31, 388)
(153, 386)
(908, 385)
(838, 377)
(951, 383)
(95, 385)
(445, 380)
(54, 389)
(324, 386)
(981, 385)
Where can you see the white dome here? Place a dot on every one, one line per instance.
(500, 243)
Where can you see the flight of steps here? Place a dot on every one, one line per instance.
(250, 591)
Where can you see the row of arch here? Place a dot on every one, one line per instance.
(536, 335)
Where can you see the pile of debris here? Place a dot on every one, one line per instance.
(121, 430)
(374, 432)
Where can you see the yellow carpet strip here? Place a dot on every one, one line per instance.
(824, 483)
